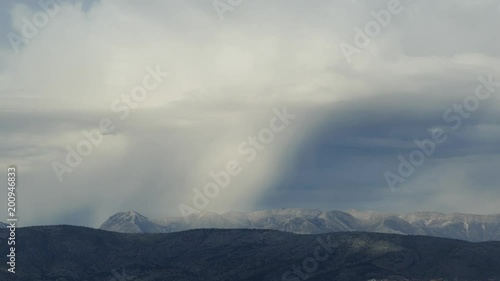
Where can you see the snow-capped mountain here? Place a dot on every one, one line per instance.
(130, 222)
(305, 221)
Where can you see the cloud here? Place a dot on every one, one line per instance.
(226, 77)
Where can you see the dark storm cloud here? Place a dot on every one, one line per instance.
(345, 158)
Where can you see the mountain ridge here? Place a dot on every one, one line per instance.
(64, 253)
(474, 228)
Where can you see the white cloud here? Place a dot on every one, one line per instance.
(226, 77)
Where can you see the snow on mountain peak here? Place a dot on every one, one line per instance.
(129, 222)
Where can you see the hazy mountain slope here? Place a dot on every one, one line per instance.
(66, 253)
(3, 225)
(461, 226)
(473, 228)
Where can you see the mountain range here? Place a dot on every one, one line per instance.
(473, 228)
(71, 253)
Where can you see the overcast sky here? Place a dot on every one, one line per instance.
(229, 69)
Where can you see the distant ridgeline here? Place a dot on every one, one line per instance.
(474, 228)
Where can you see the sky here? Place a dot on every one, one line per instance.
(196, 106)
